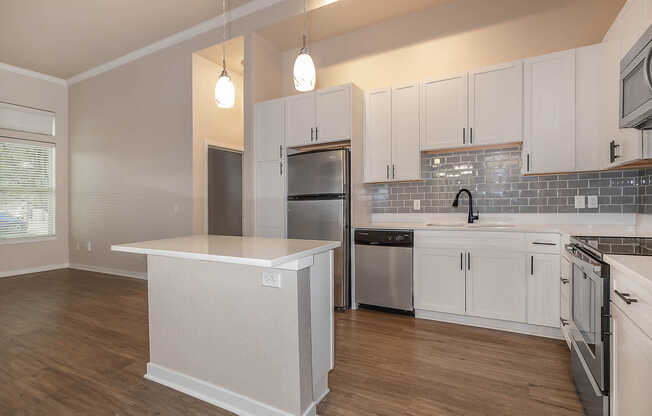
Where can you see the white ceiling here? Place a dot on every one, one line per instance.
(63, 38)
(234, 54)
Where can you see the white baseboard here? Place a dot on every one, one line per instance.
(517, 327)
(218, 396)
(38, 269)
(108, 270)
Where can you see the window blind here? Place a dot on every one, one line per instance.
(27, 189)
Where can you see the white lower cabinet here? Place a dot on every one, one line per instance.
(439, 279)
(494, 279)
(495, 284)
(631, 366)
(543, 290)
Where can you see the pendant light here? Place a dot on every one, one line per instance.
(224, 88)
(304, 67)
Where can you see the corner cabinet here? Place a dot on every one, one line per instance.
(391, 146)
(322, 116)
(269, 169)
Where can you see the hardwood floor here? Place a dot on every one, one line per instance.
(75, 343)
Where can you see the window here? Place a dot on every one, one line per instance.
(27, 189)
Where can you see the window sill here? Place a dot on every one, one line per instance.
(26, 240)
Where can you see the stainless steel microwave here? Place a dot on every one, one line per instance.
(636, 84)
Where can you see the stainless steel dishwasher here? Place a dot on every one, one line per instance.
(383, 268)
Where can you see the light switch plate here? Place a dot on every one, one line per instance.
(417, 204)
(580, 201)
(593, 201)
(272, 279)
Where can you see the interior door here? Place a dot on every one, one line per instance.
(439, 279)
(495, 285)
(406, 155)
(300, 120)
(543, 290)
(333, 114)
(496, 104)
(378, 136)
(444, 113)
(550, 112)
(270, 199)
(224, 192)
(269, 130)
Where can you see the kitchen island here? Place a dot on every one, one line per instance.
(245, 323)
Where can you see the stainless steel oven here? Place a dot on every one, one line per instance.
(589, 328)
(636, 84)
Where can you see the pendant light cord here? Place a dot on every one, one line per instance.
(224, 35)
(305, 22)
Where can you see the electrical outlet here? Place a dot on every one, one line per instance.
(417, 204)
(580, 201)
(89, 246)
(272, 279)
(593, 201)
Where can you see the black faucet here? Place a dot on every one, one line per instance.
(456, 202)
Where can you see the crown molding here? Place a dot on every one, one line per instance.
(234, 14)
(32, 74)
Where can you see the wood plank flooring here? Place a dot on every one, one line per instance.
(76, 343)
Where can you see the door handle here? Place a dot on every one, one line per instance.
(625, 297)
(531, 265)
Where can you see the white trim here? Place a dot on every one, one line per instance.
(518, 327)
(27, 240)
(214, 23)
(32, 74)
(218, 396)
(38, 269)
(108, 270)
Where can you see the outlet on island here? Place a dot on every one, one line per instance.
(272, 279)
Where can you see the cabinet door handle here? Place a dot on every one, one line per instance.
(471, 135)
(614, 150)
(463, 135)
(312, 134)
(316, 133)
(387, 171)
(564, 281)
(393, 172)
(563, 321)
(280, 150)
(461, 261)
(528, 163)
(281, 167)
(468, 260)
(625, 297)
(538, 243)
(532, 265)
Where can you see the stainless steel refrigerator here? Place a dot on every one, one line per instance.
(319, 208)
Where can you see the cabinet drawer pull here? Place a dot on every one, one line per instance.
(563, 321)
(564, 281)
(539, 243)
(625, 297)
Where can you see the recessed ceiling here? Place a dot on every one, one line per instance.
(64, 38)
(234, 54)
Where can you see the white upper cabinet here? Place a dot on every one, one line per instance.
(269, 130)
(543, 290)
(300, 120)
(439, 279)
(333, 114)
(391, 147)
(405, 133)
(444, 113)
(550, 113)
(378, 137)
(496, 104)
(495, 285)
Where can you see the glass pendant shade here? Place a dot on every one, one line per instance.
(225, 91)
(304, 72)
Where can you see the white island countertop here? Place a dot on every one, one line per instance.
(254, 251)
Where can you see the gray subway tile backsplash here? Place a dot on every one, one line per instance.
(494, 177)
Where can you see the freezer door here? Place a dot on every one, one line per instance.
(318, 173)
(325, 220)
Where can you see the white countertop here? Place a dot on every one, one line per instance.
(638, 265)
(254, 251)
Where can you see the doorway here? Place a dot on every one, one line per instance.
(224, 191)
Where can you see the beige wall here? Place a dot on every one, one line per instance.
(132, 148)
(46, 95)
(213, 126)
(453, 37)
